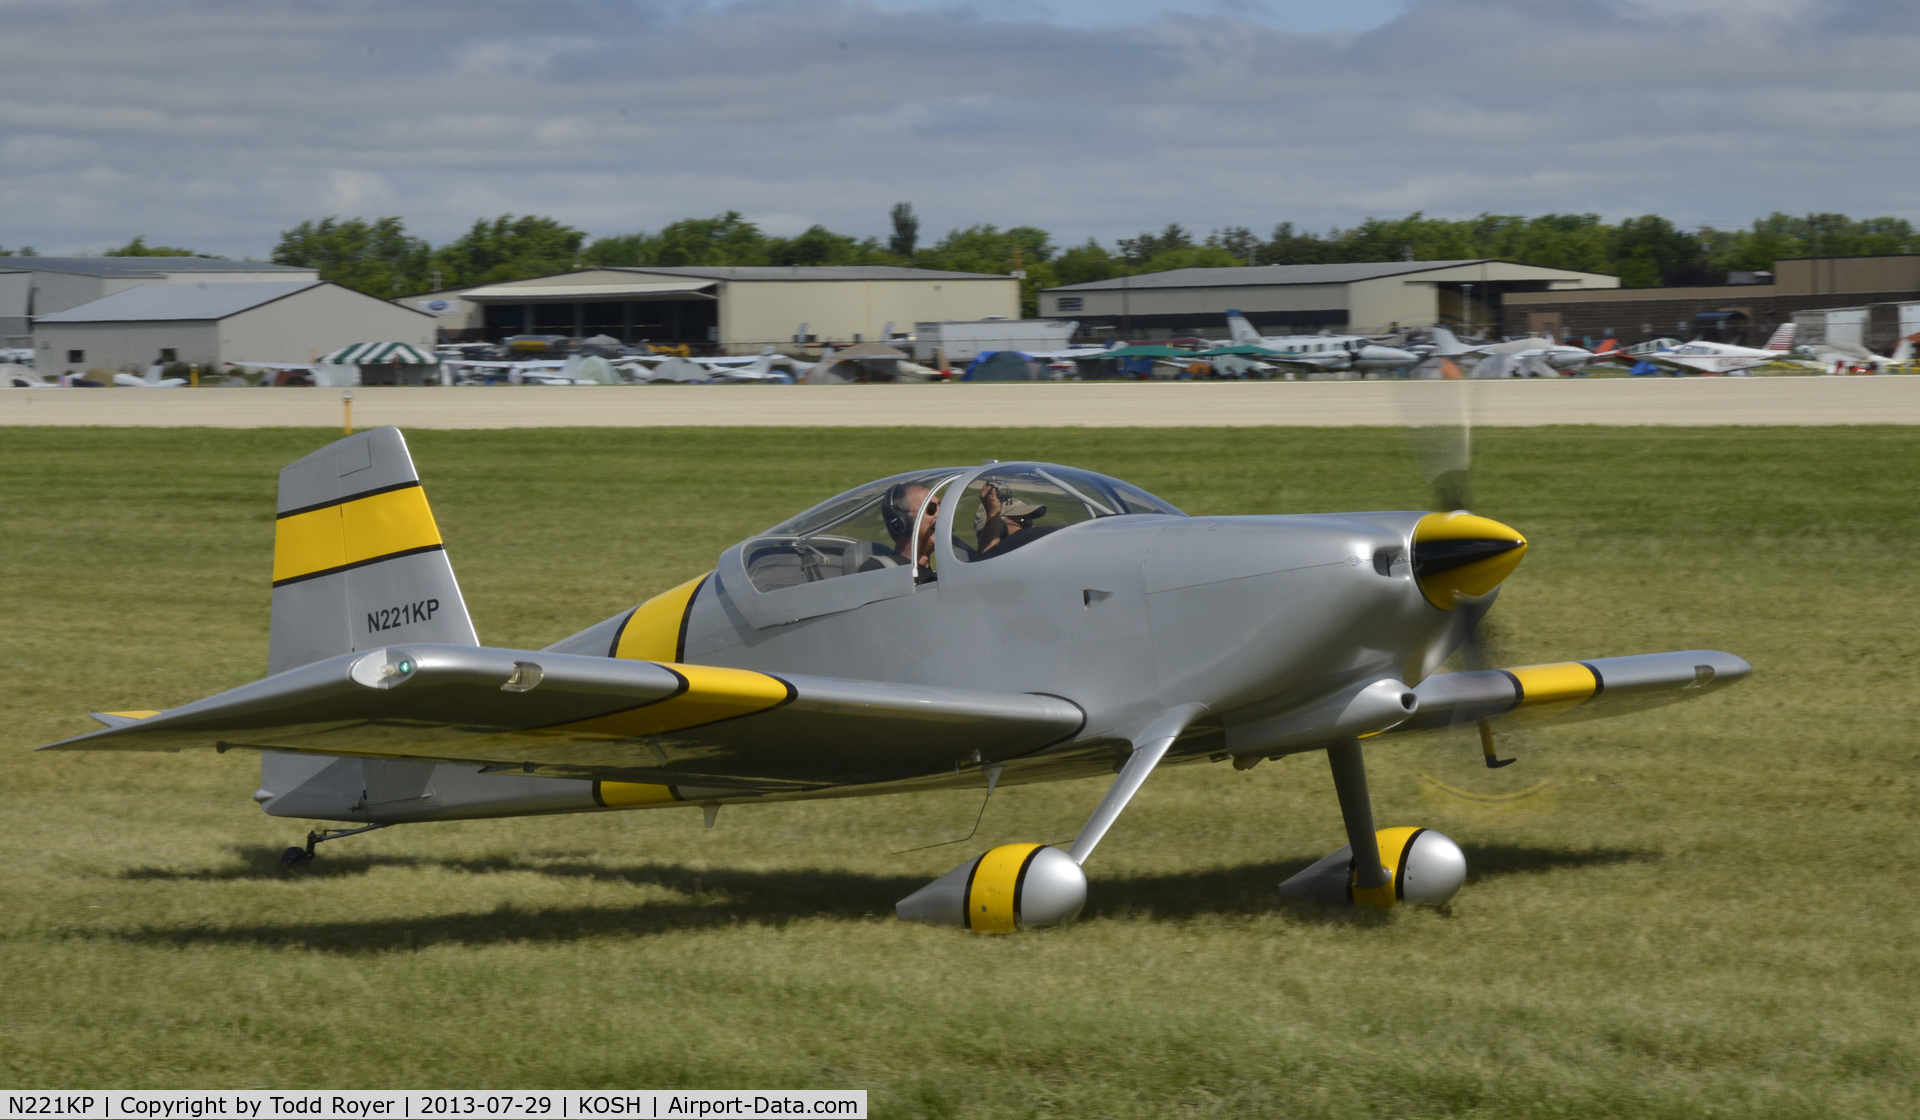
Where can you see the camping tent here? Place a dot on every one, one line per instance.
(1004, 365)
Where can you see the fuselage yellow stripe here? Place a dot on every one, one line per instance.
(353, 533)
(993, 893)
(657, 628)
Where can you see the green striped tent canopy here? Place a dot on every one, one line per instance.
(379, 354)
(1240, 351)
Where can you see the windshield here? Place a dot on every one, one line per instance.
(867, 529)
(1013, 506)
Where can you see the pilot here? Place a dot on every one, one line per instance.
(902, 505)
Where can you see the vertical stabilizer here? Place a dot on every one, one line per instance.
(1445, 343)
(357, 559)
(1241, 330)
(1782, 338)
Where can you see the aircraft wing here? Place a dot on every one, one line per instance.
(1571, 690)
(566, 715)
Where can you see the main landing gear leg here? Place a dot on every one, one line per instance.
(1371, 884)
(1029, 886)
(300, 857)
(1377, 868)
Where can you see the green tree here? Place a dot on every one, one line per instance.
(1779, 236)
(998, 252)
(820, 245)
(377, 257)
(726, 239)
(1288, 247)
(906, 230)
(1239, 242)
(1648, 251)
(508, 248)
(1139, 250)
(138, 247)
(1084, 264)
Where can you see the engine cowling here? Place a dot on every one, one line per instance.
(1008, 888)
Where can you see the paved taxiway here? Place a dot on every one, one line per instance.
(1664, 401)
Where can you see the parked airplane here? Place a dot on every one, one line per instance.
(1321, 351)
(1700, 356)
(1520, 357)
(770, 366)
(149, 380)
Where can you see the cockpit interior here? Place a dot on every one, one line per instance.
(888, 523)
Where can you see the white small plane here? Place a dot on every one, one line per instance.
(769, 366)
(1700, 356)
(1520, 357)
(149, 380)
(1842, 356)
(1321, 351)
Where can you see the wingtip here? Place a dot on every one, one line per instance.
(124, 719)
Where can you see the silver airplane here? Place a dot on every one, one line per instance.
(1321, 351)
(949, 628)
(1522, 357)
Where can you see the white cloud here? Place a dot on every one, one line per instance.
(218, 123)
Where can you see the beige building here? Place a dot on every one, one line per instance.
(738, 310)
(1746, 313)
(1371, 298)
(32, 286)
(207, 324)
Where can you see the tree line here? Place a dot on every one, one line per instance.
(381, 258)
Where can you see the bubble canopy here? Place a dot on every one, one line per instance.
(871, 528)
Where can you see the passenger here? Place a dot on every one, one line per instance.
(988, 524)
(1018, 516)
(901, 506)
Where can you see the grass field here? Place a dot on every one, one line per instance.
(1708, 909)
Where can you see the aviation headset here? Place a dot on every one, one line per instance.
(895, 511)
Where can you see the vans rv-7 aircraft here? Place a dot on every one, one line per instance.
(959, 627)
(1328, 352)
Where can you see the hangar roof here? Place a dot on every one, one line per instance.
(138, 267)
(1274, 274)
(162, 302)
(817, 272)
(532, 293)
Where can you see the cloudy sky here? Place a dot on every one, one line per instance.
(215, 124)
